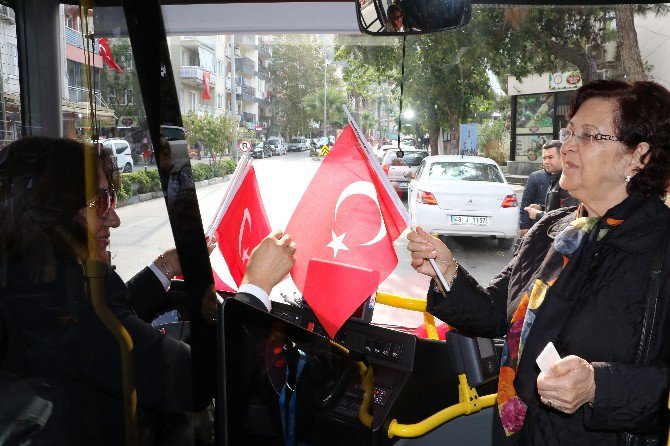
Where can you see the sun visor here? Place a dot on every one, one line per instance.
(242, 18)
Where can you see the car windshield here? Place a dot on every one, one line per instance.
(297, 140)
(411, 159)
(465, 171)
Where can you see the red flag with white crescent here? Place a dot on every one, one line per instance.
(107, 56)
(243, 225)
(358, 220)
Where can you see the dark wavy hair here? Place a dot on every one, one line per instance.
(642, 114)
(42, 190)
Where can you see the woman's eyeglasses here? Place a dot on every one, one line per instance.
(586, 139)
(104, 202)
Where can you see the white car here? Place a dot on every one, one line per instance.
(464, 196)
(400, 170)
(380, 151)
(120, 149)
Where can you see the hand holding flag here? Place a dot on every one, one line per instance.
(241, 223)
(360, 217)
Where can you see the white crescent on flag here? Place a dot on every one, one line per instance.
(244, 255)
(357, 188)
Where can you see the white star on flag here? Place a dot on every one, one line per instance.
(337, 243)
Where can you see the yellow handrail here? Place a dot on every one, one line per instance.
(468, 400)
(469, 403)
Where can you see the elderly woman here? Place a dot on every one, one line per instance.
(52, 336)
(581, 279)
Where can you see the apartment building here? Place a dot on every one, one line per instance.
(223, 74)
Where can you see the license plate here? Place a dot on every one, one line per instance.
(469, 220)
(403, 184)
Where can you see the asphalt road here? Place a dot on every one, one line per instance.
(145, 233)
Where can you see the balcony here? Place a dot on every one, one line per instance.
(7, 14)
(263, 51)
(248, 42)
(263, 74)
(194, 42)
(246, 93)
(244, 65)
(80, 94)
(75, 38)
(192, 75)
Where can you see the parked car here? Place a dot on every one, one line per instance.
(298, 144)
(464, 195)
(260, 150)
(120, 150)
(277, 145)
(380, 151)
(399, 170)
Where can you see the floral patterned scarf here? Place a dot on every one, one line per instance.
(567, 242)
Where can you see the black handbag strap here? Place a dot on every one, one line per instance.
(653, 293)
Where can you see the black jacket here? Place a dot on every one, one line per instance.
(601, 321)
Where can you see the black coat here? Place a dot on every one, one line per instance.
(600, 321)
(54, 337)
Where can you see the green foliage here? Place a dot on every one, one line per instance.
(145, 181)
(494, 141)
(217, 133)
(297, 70)
(335, 101)
(117, 85)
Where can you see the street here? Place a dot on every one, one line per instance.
(145, 233)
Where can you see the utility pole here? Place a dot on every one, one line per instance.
(234, 95)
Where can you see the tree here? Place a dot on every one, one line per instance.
(336, 99)
(297, 71)
(215, 132)
(119, 88)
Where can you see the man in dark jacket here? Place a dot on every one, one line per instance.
(556, 197)
(538, 184)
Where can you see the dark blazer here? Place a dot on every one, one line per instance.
(600, 321)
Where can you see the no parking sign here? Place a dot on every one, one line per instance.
(244, 146)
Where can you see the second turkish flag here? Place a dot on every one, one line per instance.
(243, 226)
(346, 216)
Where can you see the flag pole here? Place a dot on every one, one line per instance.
(394, 196)
(242, 166)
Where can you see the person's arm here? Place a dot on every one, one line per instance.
(527, 198)
(628, 397)
(467, 306)
(471, 308)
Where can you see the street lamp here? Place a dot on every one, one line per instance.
(325, 89)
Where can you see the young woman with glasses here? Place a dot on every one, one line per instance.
(54, 239)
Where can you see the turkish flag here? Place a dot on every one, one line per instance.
(243, 224)
(205, 79)
(107, 56)
(358, 220)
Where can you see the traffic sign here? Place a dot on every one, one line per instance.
(324, 150)
(244, 146)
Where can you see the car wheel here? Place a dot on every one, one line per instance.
(505, 243)
(127, 168)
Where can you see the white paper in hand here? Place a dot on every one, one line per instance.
(548, 357)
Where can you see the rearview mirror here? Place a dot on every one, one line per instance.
(384, 17)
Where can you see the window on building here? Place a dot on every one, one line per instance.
(219, 67)
(219, 101)
(69, 21)
(11, 60)
(193, 101)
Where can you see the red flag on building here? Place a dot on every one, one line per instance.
(107, 56)
(205, 79)
(242, 223)
(359, 217)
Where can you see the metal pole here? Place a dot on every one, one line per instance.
(234, 95)
(325, 89)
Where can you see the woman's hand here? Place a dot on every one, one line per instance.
(168, 262)
(569, 384)
(422, 247)
(270, 261)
